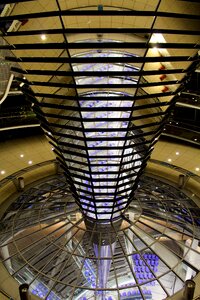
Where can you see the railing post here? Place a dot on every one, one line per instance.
(188, 292)
(23, 291)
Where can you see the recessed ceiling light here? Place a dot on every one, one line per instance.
(195, 139)
(169, 160)
(30, 162)
(197, 169)
(43, 37)
(3, 172)
(21, 155)
(177, 153)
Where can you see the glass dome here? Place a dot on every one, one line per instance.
(149, 253)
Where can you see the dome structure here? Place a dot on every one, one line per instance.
(47, 243)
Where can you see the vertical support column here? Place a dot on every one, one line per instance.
(129, 245)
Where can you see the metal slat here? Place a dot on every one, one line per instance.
(50, 115)
(74, 128)
(94, 109)
(137, 13)
(85, 60)
(133, 73)
(102, 30)
(13, 1)
(99, 45)
(119, 97)
(101, 85)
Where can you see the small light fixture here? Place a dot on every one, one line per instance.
(177, 153)
(43, 37)
(21, 155)
(195, 139)
(197, 169)
(21, 84)
(169, 160)
(3, 172)
(30, 162)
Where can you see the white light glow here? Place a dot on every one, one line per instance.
(43, 37)
(3, 172)
(30, 162)
(157, 38)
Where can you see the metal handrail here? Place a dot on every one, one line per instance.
(26, 170)
(54, 161)
(7, 88)
(5, 294)
(176, 168)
